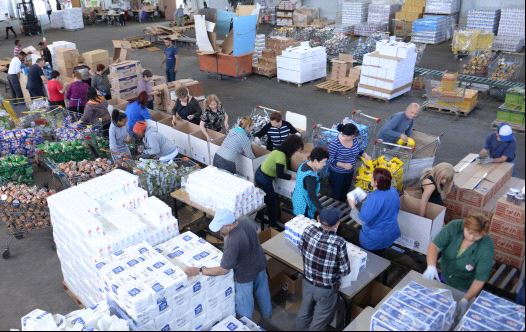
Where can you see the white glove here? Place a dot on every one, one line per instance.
(257, 140)
(431, 273)
(110, 108)
(462, 308)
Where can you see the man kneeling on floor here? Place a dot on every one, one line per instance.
(243, 253)
(325, 262)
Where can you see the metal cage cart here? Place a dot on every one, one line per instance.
(443, 101)
(415, 159)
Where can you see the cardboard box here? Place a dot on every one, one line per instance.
(96, 57)
(292, 281)
(121, 48)
(247, 167)
(371, 295)
(125, 93)
(508, 246)
(418, 232)
(180, 134)
(122, 83)
(509, 211)
(473, 188)
(502, 227)
(203, 151)
(118, 103)
(125, 68)
(509, 260)
(267, 234)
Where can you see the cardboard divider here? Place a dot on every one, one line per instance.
(247, 167)
(201, 149)
(179, 134)
(158, 116)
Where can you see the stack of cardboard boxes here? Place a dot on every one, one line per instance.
(411, 10)
(67, 59)
(507, 226)
(463, 99)
(344, 72)
(164, 93)
(302, 64)
(96, 57)
(266, 65)
(124, 77)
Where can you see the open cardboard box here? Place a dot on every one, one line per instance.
(202, 150)
(158, 115)
(267, 234)
(118, 103)
(371, 295)
(418, 232)
(180, 134)
(247, 167)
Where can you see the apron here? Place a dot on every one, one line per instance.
(300, 197)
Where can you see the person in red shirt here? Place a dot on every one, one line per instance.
(55, 90)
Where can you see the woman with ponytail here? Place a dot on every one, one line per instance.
(119, 137)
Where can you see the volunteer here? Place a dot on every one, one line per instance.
(171, 59)
(119, 136)
(13, 77)
(344, 152)
(325, 262)
(437, 182)
(156, 145)
(466, 256)
(243, 254)
(18, 48)
(136, 110)
(96, 111)
(48, 9)
(8, 26)
(77, 94)
(236, 142)
(45, 53)
(277, 130)
(36, 79)
(179, 16)
(399, 125)
(146, 84)
(500, 146)
(305, 195)
(186, 107)
(55, 90)
(214, 117)
(275, 166)
(379, 214)
(101, 82)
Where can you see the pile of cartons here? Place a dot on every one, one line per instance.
(164, 94)
(475, 193)
(266, 65)
(93, 58)
(67, 59)
(354, 12)
(124, 77)
(442, 6)
(344, 72)
(411, 10)
(507, 225)
(511, 30)
(258, 51)
(302, 64)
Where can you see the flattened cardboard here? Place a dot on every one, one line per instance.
(244, 34)
(228, 44)
(201, 34)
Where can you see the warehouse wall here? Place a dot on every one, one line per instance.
(327, 7)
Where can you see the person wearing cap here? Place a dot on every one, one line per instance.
(156, 145)
(325, 262)
(242, 253)
(400, 125)
(500, 146)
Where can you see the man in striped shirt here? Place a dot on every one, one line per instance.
(325, 262)
(276, 130)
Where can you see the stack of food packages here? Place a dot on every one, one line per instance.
(61, 152)
(267, 65)
(216, 189)
(20, 141)
(97, 317)
(415, 307)
(442, 6)
(67, 59)
(492, 313)
(506, 66)
(147, 287)
(57, 19)
(124, 77)
(365, 172)
(73, 19)
(160, 179)
(15, 169)
(430, 30)
(77, 172)
(294, 230)
(471, 40)
(258, 50)
(411, 10)
(477, 63)
(449, 94)
(510, 36)
(100, 217)
(302, 63)
(57, 45)
(354, 12)
(343, 71)
(24, 207)
(485, 20)
(362, 47)
(230, 323)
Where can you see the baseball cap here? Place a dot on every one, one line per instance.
(505, 132)
(222, 218)
(330, 216)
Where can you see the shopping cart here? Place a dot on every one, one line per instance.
(442, 101)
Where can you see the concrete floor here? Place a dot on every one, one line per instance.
(31, 278)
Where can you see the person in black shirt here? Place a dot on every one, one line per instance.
(36, 79)
(437, 183)
(186, 107)
(276, 130)
(45, 53)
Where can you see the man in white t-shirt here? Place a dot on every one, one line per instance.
(48, 9)
(15, 67)
(8, 26)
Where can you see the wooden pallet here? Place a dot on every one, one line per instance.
(445, 110)
(371, 97)
(72, 295)
(297, 84)
(516, 127)
(333, 86)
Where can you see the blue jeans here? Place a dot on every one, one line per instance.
(170, 72)
(340, 185)
(245, 297)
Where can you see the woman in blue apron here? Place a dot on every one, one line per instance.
(305, 196)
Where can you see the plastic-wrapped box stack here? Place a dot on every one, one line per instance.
(124, 77)
(260, 46)
(206, 300)
(367, 29)
(388, 72)
(294, 228)
(492, 313)
(431, 29)
(99, 217)
(354, 12)
(442, 6)
(382, 12)
(216, 189)
(511, 30)
(415, 308)
(96, 317)
(232, 324)
(57, 19)
(73, 19)
(57, 45)
(302, 64)
(485, 20)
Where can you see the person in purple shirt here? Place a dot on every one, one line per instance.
(77, 94)
(136, 110)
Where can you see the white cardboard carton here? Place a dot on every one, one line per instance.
(202, 150)
(247, 167)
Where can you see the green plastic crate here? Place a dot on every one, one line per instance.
(515, 99)
(511, 117)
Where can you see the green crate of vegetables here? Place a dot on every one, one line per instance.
(61, 152)
(514, 99)
(16, 169)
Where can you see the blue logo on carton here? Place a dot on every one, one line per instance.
(133, 262)
(169, 272)
(100, 265)
(157, 287)
(201, 240)
(134, 292)
(228, 291)
(198, 309)
(85, 328)
(197, 287)
(231, 326)
(78, 320)
(176, 253)
(158, 265)
(143, 250)
(162, 304)
(118, 253)
(114, 288)
(187, 237)
(166, 328)
(118, 269)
